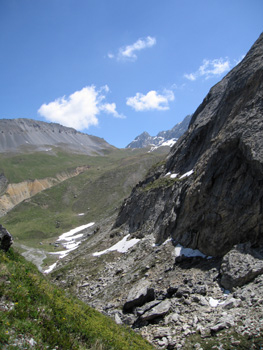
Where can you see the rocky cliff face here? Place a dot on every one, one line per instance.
(209, 194)
(33, 135)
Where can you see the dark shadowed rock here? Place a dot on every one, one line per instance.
(139, 295)
(5, 239)
(241, 265)
(213, 200)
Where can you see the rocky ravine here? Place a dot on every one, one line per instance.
(207, 196)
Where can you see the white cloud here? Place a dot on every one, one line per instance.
(110, 108)
(129, 52)
(190, 76)
(210, 68)
(81, 109)
(151, 101)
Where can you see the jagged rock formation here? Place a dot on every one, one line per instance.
(163, 138)
(209, 194)
(5, 239)
(18, 135)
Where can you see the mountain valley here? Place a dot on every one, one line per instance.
(168, 244)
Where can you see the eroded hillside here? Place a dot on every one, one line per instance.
(18, 192)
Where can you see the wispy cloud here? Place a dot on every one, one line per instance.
(210, 68)
(151, 101)
(81, 109)
(129, 52)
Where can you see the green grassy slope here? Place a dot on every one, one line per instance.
(97, 192)
(34, 311)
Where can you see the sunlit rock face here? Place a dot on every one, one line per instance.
(209, 194)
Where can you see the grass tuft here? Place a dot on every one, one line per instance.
(34, 311)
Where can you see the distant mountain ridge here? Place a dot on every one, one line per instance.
(163, 138)
(32, 135)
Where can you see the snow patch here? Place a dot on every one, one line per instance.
(51, 267)
(172, 176)
(70, 242)
(164, 243)
(169, 142)
(81, 214)
(188, 252)
(213, 302)
(73, 231)
(187, 174)
(162, 143)
(122, 246)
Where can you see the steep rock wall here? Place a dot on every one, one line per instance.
(220, 203)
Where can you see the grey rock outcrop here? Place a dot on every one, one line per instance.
(5, 239)
(208, 195)
(240, 266)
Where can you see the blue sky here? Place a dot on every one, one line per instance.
(116, 68)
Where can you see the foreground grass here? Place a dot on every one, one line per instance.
(33, 311)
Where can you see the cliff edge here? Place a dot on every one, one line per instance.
(209, 195)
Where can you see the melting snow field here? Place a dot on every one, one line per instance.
(121, 247)
(188, 252)
(70, 241)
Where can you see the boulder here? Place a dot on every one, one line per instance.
(5, 239)
(240, 266)
(141, 310)
(157, 311)
(139, 295)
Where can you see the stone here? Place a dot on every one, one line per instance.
(141, 310)
(216, 202)
(182, 291)
(202, 290)
(231, 303)
(6, 239)
(139, 295)
(161, 332)
(117, 318)
(240, 266)
(157, 311)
